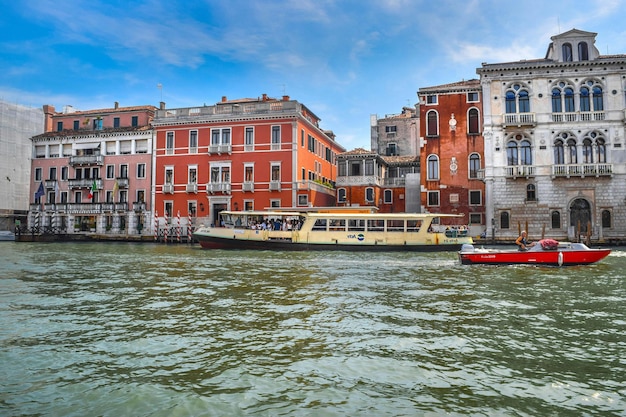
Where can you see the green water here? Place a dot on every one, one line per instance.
(151, 330)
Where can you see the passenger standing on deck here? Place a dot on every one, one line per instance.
(523, 243)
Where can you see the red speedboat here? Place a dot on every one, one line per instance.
(545, 252)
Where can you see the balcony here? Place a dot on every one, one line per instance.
(122, 182)
(192, 188)
(274, 185)
(84, 183)
(520, 171)
(168, 188)
(582, 170)
(50, 184)
(583, 116)
(140, 206)
(86, 160)
(519, 119)
(358, 180)
(248, 186)
(218, 187)
(220, 149)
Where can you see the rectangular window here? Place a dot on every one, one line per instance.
(64, 173)
(391, 129)
(141, 196)
(433, 198)
(302, 138)
(275, 172)
(192, 175)
(431, 99)
(475, 218)
(64, 197)
(369, 167)
(134, 121)
(249, 173)
(59, 126)
(249, 139)
(275, 137)
(38, 174)
(369, 195)
(141, 170)
(76, 124)
(52, 173)
(169, 176)
(109, 198)
(169, 143)
(475, 197)
(303, 200)
(110, 172)
(388, 196)
(472, 97)
(124, 171)
(116, 122)
(193, 141)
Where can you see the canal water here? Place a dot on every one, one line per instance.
(116, 329)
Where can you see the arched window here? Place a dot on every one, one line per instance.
(556, 219)
(556, 101)
(432, 125)
(598, 103)
(587, 151)
(511, 105)
(583, 51)
(504, 220)
(388, 196)
(473, 122)
(474, 165)
(585, 104)
(567, 52)
(524, 101)
(569, 100)
(369, 195)
(511, 153)
(606, 219)
(571, 151)
(531, 194)
(559, 154)
(341, 195)
(601, 147)
(526, 157)
(432, 172)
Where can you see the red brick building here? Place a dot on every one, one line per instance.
(245, 154)
(452, 151)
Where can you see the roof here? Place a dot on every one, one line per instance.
(101, 111)
(459, 85)
(86, 132)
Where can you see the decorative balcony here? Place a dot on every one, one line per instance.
(168, 188)
(583, 116)
(50, 184)
(274, 185)
(519, 119)
(520, 171)
(86, 160)
(140, 206)
(122, 182)
(359, 180)
(248, 186)
(220, 149)
(192, 188)
(218, 187)
(582, 170)
(84, 183)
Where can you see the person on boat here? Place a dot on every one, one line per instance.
(523, 243)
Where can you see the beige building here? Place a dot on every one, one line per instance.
(555, 150)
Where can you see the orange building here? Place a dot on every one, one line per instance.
(452, 151)
(245, 154)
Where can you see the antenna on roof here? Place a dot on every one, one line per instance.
(160, 87)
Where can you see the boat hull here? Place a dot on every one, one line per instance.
(552, 258)
(215, 242)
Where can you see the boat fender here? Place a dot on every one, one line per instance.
(560, 258)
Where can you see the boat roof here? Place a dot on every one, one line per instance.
(340, 215)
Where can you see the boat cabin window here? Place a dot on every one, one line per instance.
(395, 225)
(319, 225)
(413, 225)
(337, 224)
(376, 225)
(356, 225)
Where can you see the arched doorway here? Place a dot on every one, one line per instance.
(580, 215)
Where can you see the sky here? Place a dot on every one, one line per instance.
(344, 60)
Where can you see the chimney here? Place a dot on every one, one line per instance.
(224, 99)
(264, 97)
(48, 111)
(285, 98)
(116, 105)
(162, 105)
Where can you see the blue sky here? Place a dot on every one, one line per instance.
(345, 60)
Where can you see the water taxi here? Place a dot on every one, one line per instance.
(332, 229)
(546, 252)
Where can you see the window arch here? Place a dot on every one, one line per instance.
(517, 99)
(594, 148)
(473, 122)
(526, 156)
(598, 101)
(511, 153)
(587, 151)
(583, 51)
(369, 195)
(474, 165)
(563, 98)
(388, 196)
(432, 123)
(567, 52)
(591, 96)
(341, 195)
(585, 104)
(606, 219)
(519, 151)
(432, 171)
(565, 149)
(559, 153)
(531, 192)
(572, 152)
(557, 105)
(555, 216)
(504, 220)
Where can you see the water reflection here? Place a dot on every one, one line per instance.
(96, 329)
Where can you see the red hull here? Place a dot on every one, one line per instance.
(540, 257)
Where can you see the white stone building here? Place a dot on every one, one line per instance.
(555, 149)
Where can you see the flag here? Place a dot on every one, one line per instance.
(116, 187)
(57, 192)
(94, 187)
(40, 191)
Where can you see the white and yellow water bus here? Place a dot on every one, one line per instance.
(333, 229)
